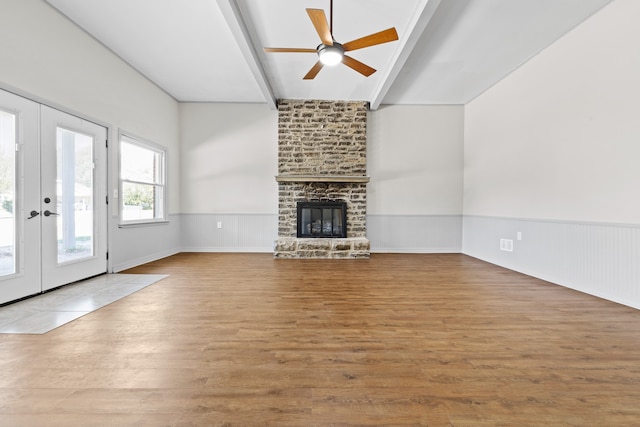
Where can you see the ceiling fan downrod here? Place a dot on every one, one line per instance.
(331, 17)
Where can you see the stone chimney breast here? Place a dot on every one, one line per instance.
(322, 157)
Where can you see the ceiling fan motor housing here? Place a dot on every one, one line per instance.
(330, 54)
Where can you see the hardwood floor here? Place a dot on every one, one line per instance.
(243, 339)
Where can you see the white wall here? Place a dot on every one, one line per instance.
(47, 57)
(554, 149)
(415, 161)
(559, 138)
(229, 158)
(229, 163)
(414, 158)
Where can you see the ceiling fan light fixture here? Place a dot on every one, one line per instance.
(331, 55)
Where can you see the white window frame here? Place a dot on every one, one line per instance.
(129, 138)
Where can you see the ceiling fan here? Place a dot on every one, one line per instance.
(330, 52)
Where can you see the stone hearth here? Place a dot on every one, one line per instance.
(322, 157)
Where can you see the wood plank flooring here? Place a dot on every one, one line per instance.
(396, 340)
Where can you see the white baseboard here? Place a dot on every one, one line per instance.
(143, 260)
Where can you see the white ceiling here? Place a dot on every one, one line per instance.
(448, 52)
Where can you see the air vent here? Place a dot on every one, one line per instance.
(506, 245)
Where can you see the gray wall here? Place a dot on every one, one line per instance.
(552, 152)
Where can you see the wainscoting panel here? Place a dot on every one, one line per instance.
(238, 232)
(133, 246)
(415, 233)
(599, 259)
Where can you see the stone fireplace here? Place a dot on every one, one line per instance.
(322, 158)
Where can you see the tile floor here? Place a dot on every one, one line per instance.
(43, 313)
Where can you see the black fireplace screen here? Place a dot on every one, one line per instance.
(322, 219)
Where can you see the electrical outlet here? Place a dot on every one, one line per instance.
(219, 224)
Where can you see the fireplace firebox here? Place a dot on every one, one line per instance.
(322, 219)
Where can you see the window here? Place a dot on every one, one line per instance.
(142, 181)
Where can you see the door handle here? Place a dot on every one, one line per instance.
(49, 213)
(33, 214)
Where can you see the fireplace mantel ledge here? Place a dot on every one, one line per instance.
(322, 178)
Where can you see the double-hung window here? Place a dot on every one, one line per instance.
(142, 181)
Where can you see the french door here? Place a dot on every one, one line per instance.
(53, 210)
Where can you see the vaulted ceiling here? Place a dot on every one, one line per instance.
(448, 51)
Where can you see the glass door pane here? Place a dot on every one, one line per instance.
(74, 195)
(19, 197)
(7, 193)
(73, 198)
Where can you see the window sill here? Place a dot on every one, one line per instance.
(142, 224)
